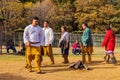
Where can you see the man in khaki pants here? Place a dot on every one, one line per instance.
(49, 37)
(33, 39)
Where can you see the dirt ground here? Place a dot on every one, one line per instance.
(12, 68)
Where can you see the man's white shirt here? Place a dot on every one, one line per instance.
(49, 36)
(34, 34)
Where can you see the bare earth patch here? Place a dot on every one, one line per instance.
(12, 68)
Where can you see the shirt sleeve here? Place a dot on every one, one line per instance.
(42, 36)
(86, 37)
(26, 35)
(106, 38)
(67, 37)
(51, 36)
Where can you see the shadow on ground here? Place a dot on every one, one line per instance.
(9, 76)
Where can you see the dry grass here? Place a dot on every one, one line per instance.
(12, 68)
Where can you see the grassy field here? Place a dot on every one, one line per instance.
(12, 68)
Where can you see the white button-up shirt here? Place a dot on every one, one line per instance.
(49, 36)
(34, 34)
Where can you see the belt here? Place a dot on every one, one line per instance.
(34, 42)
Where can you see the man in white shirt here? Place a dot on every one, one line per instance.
(33, 38)
(49, 37)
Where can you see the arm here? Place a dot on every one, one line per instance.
(106, 38)
(51, 36)
(67, 39)
(86, 37)
(26, 36)
(42, 36)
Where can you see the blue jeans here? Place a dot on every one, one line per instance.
(11, 47)
(76, 51)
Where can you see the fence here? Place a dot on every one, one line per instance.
(97, 39)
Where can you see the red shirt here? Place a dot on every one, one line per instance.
(75, 46)
(109, 41)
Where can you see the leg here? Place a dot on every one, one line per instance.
(66, 55)
(113, 59)
(37, 55)
(89, 52)
(84, 57)
(28, 58)
(50, 54)
(74, 51)
(89, 58)
(79, 51)
(106, 58)
(84, 54)
(7, 49)
(14, 49)
(45, 50)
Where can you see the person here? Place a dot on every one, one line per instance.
(49, 37)
(109, 44)
(64, 44)
(76, 48)
(33, 39)
(87, 43)
(10, 45)
(22, 51)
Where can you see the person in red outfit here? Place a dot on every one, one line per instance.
(109, 44)
(76, 48)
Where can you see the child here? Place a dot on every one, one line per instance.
(76, 48)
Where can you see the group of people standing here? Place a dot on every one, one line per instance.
(38, 42)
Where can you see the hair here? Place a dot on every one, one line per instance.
(35, 18)
(47, 21)
(64, 27)
(107, 27)
(85, 24)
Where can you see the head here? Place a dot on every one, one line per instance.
(77, 42)
(63, 29)
(46, 24)
(107, 27)
(35, 21)
(84, 26)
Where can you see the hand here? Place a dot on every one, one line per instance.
(58, 45)
(50, 45)
(28, 44)
(66, 46)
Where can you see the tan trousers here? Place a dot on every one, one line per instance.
(87, 50)
(33, 53)
(48, 51)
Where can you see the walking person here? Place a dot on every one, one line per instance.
(64, 44)
(109, 44)
(49, 37)
(87, 43)
(33, 39)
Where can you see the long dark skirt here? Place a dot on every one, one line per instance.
(64, 51)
